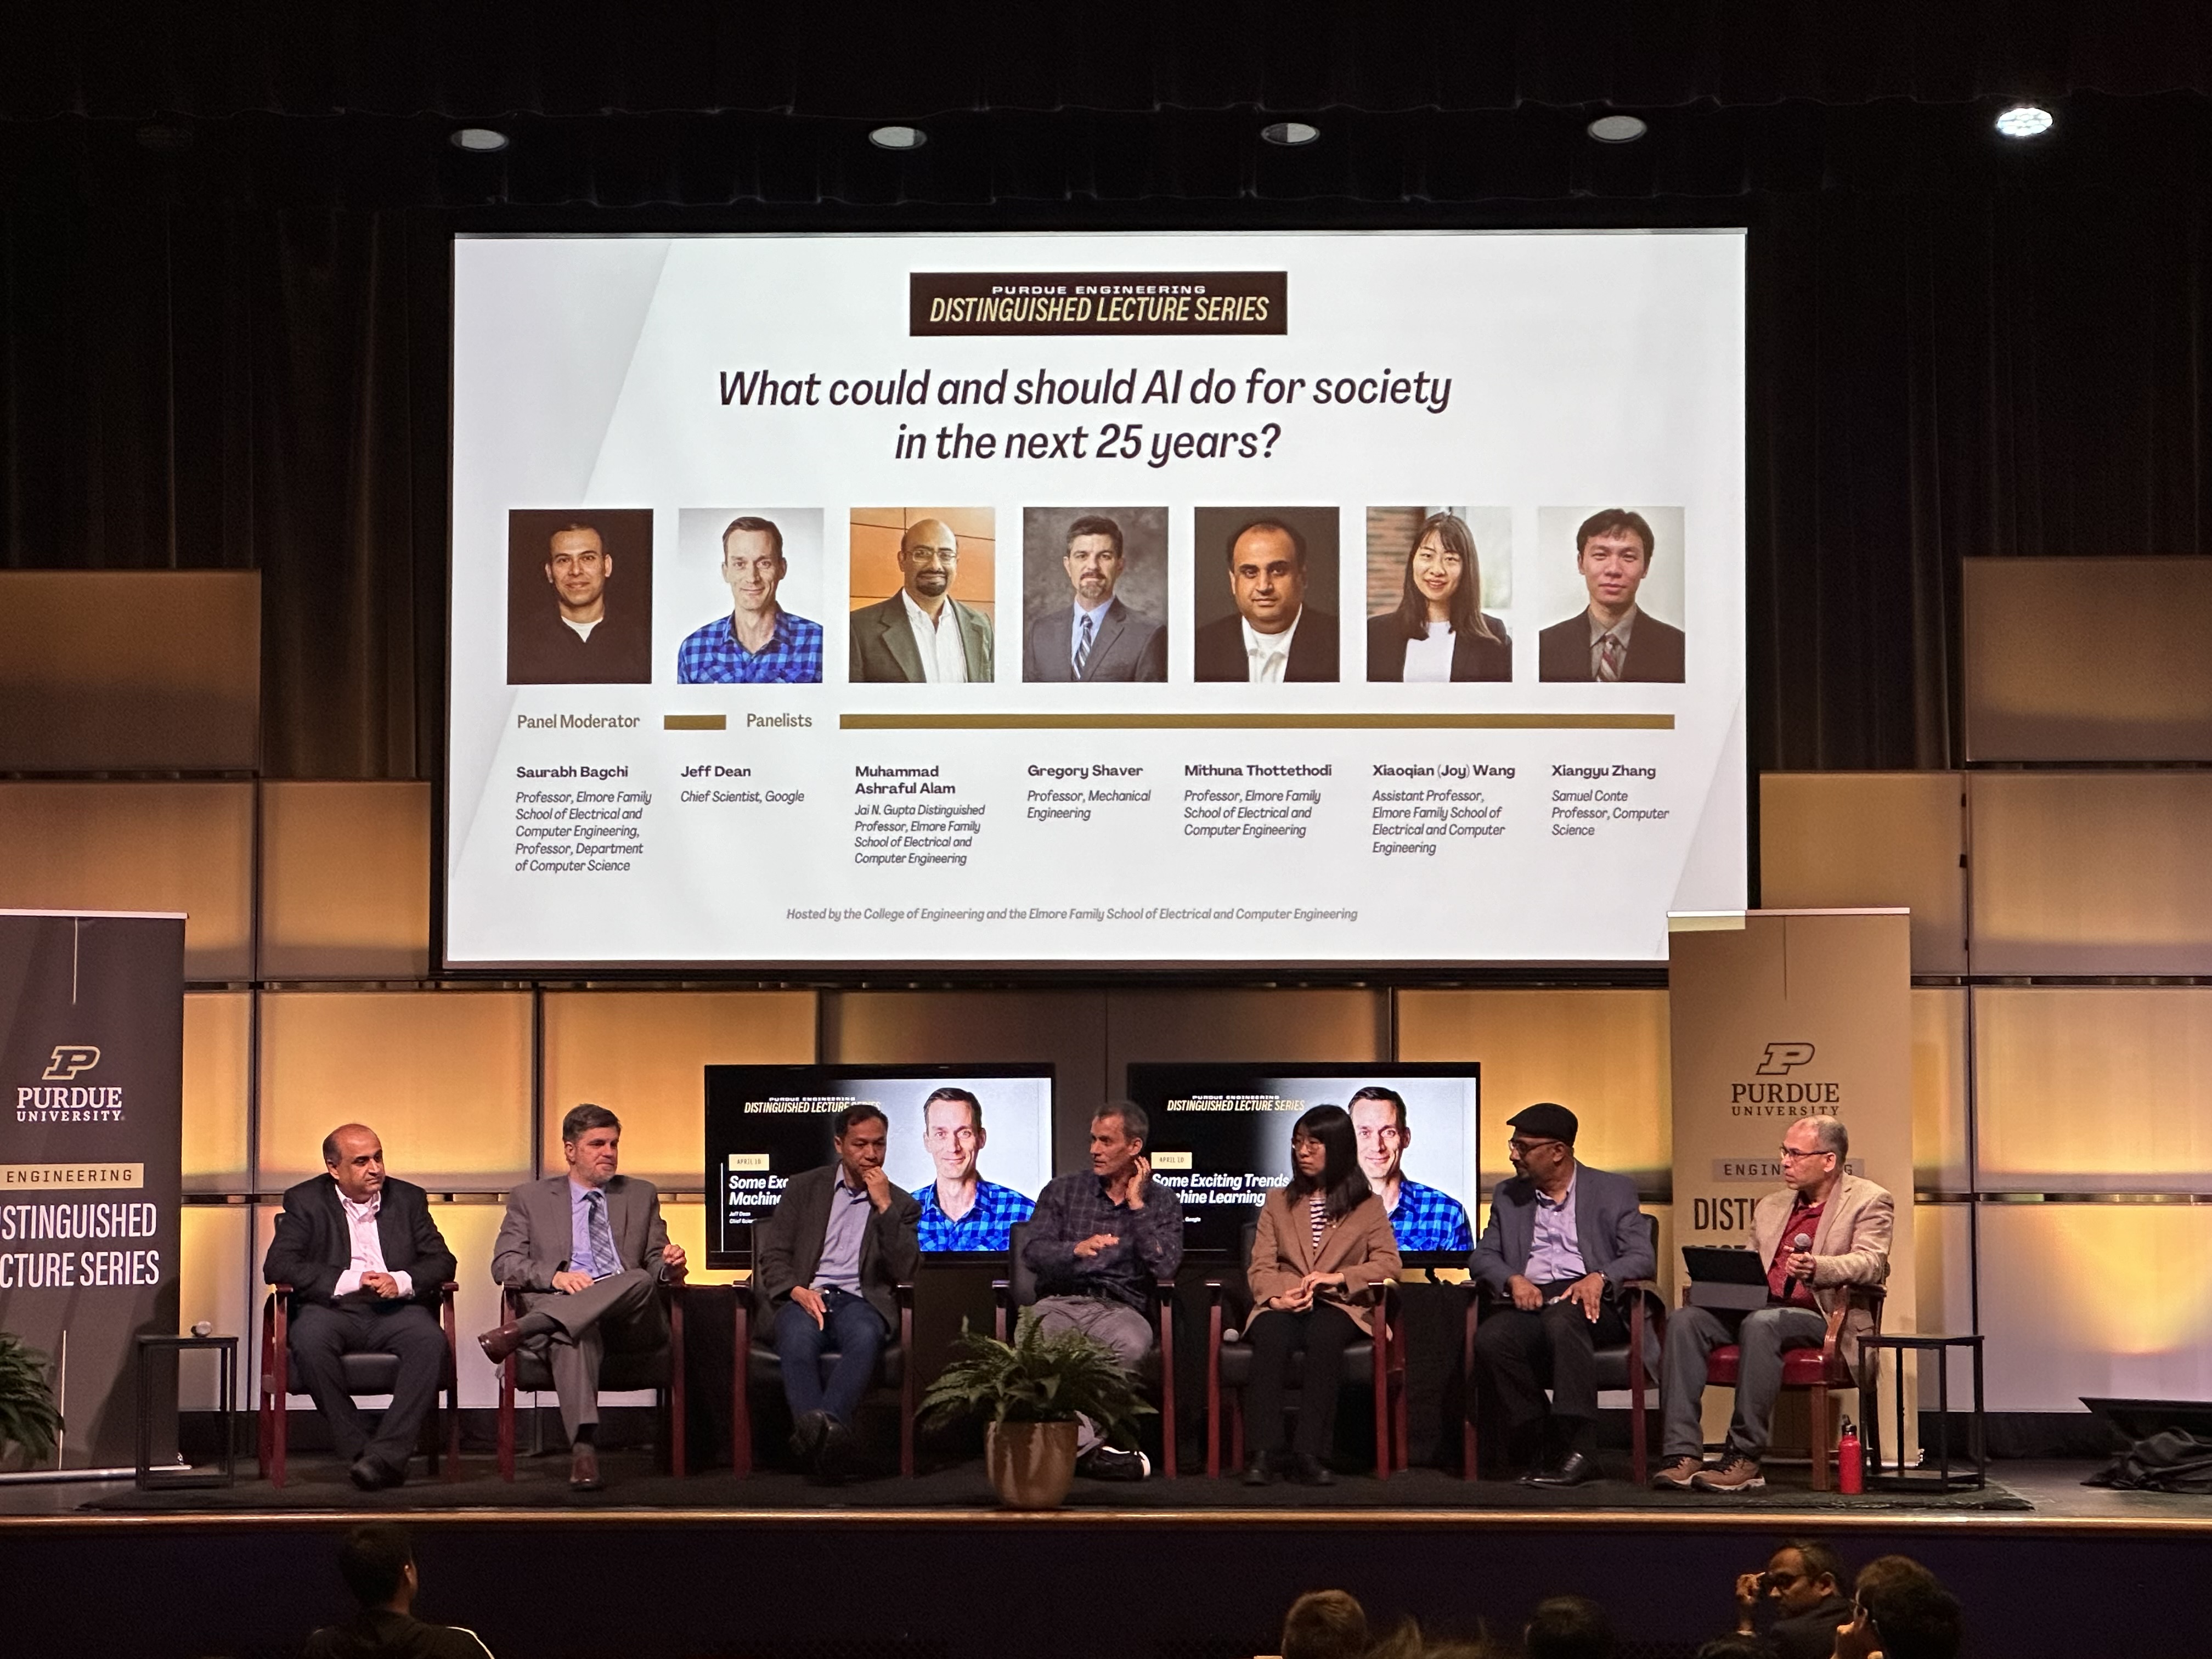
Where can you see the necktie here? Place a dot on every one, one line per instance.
(604, 1263)
(1608, 657)
(1083, 646)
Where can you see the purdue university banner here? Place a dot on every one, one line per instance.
(92, 1011)
(1795, 1013)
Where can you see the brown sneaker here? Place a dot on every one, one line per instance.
(1735, 1473)
(1679, 1473)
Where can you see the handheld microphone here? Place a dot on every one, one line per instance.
(1802, 1241)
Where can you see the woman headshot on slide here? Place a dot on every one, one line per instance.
(1321, 1256)
(1438, 632)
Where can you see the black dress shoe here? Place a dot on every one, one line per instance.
(1259, 1471)
(368, 1474)
(1572, 1470)
(1310, 1471)
(808, 1434)
(833, 1461)
(1113, 1463)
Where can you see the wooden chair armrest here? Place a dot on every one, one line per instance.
(902, 1293)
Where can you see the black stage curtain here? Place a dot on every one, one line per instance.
(236, 353)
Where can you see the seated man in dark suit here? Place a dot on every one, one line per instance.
(1614, 639)
(1095, 636)
(829, 1262)
(365, 1261)
(1562, 1238)
(1275, 635)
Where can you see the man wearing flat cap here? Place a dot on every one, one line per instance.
(1561, 1241)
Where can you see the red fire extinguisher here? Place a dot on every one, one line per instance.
(1851, 1472)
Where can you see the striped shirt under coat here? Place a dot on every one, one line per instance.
(1360, 1246)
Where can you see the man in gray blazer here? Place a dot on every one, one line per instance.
(1562, 1239)
(586, 1250)
(1096, 636)
(921, 635)
(827, 1267)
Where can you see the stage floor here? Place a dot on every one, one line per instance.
(2024, 1496)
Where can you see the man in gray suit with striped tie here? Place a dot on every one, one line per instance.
(1095, 636)
(586, 1251)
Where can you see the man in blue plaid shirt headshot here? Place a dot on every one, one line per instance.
(759, 642)
(961, 1211)
(1421, 1218)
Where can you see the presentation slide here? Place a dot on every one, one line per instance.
(1221, 1138)
(973, 1144)
(1228, 599)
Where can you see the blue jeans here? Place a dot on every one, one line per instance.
(852, 1330)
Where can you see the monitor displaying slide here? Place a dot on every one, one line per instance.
(1127, 600)
(973, 1144)
(1221, 1138)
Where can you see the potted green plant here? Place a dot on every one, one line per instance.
(1030, 1391)
(29, 1421)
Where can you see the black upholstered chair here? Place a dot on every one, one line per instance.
(760, 1366)
(1632, 1364)
(621, 1371)
(365, 1374)
(1377, 1362)
(1019, 1290)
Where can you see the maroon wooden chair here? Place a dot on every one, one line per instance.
(1378, 1361)
(759, 1365)
(1620, 1366)
(1817, 1371)
(365, 1374)
(621, 1371)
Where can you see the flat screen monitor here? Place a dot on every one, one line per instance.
(1221, 1138)
(974, 1140)
(1010, 601)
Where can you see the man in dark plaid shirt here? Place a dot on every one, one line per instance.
(759, 642)
(1098, 1243)
(1421, 1218)
(952, 1130)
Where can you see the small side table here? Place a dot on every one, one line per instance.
(1939, 1470)
(225, 1472)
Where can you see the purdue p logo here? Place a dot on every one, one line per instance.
(1781, 1056)
(70, 1059)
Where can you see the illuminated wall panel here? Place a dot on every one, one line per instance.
(2113, 1299)
(2094, 1089)
(2078, 659)
(640, 1054)
(1869, 841)
(130, 671)
(185, 847)
(1943, 1292)
(443, 1077)
(218, 1062)
(2091, 872)
(1603, 1055)
(345, 880)
(1940, 1105)
(917, 1028)
(214, 1269)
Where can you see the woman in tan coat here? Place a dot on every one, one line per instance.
(1320, 1258)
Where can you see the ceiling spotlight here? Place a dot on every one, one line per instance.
(1617, 129)
(480, 140)
(2025, 121)
(897, 138)
(1290, 134)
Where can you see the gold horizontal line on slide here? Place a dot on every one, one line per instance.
(1256, 722)
(694, 722)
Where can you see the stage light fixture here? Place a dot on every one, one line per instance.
(2025, 121)
(896, 137)
(1617, 129)
(1290, 134)
(482, 141)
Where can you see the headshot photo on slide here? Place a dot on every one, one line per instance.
(754, 574)
(1094, 593)
(1438, 579)
(580, 596)
(1264, 583)
(921, 596)
(1619, 569)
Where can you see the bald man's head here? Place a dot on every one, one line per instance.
(929, 557)
(354, 1158)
